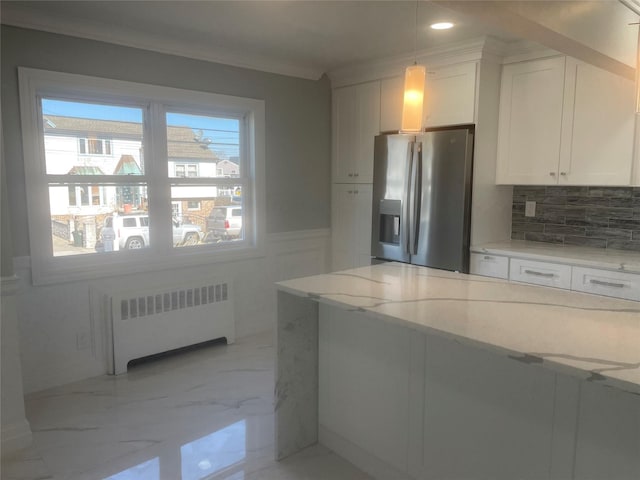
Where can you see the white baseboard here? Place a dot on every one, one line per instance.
(15, 436)
(362, 459)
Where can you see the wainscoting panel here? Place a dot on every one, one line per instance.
(64, 336)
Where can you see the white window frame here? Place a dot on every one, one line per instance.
(155, 101)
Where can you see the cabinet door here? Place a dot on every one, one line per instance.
(450, 94)
(391, 100)
(598, 126)
(345, 129)
(489, 265)
(363, 194)
(529, 128)
(351, 226)
(356, 121)
(368, 102)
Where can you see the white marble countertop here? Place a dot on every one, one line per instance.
(627, 261)
(593, 337)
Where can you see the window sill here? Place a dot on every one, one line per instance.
(56, 271)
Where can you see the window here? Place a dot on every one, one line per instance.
(79, 196)
(182, 170)
(154, 163)
(92, 146)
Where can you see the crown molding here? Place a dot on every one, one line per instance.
(35, 20)
(459, 52)
(527, 50)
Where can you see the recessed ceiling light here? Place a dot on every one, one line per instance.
(442, 25)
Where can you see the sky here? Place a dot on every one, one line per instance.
(223, 132)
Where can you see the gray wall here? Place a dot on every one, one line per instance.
(298, 116)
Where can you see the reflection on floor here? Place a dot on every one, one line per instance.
(205, 414)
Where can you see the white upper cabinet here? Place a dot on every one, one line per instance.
(450, 95)
(356, 121)
(600, 123)
(564, 122)
(531, 97)
(391, 100)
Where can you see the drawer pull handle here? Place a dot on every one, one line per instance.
(607, 284)
(487, 257)
(539, 274)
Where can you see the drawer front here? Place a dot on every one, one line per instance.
(603, 282)
(540, 273)
(489, 265)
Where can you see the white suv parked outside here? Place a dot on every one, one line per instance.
(132, 231)
(225, 222)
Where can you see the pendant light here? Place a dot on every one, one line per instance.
(638, 74)
(413, 90)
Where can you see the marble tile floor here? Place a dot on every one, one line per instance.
(204, 414)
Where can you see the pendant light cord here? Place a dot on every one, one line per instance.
(415, 38)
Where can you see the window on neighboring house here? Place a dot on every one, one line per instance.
(85, 195)
(182, 170)
(94, 146)
(138, 191)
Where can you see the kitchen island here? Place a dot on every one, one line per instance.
(411, 372)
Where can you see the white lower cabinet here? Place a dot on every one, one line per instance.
(363, 384)
(489, 265)
(400, 404)
(540, 273)
(351, 225)
(603, 282)
(560, 275)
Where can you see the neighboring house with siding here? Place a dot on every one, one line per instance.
(79, 146)
(86, 147)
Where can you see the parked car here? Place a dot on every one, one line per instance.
(132, 231)
(225, 222)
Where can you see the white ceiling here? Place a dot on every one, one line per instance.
(302, 38)
(307, 38)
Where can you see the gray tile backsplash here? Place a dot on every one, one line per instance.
(603, 217)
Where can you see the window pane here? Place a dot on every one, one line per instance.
(203, 146)
(98, 218)
(208, 212)
(92, 139)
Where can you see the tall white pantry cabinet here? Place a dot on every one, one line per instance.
(360, 112)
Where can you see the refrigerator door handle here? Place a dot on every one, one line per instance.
(416, 196)
(406, 208)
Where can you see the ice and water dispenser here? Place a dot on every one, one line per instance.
(390, 214)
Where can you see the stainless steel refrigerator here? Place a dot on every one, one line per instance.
(422, 197)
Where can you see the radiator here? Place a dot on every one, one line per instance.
(147, 322)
